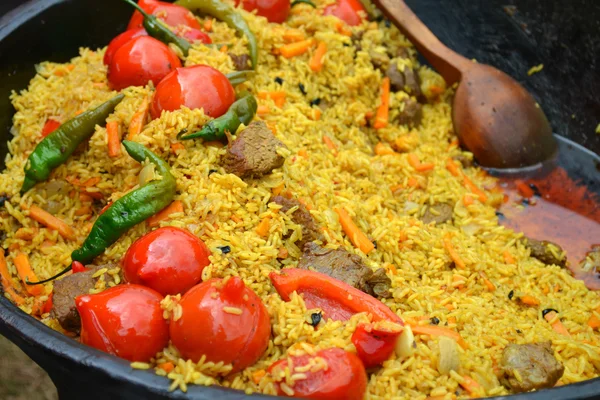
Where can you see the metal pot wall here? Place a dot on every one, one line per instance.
(563, 35)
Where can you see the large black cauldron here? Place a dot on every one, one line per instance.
(562, 34)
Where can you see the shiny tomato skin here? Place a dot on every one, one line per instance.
(205, 328)
(169, 260)
(347, 11)
(193, 35)
(273, 10)
(140, 60)
(172, 14)
(199, 86)
(119, 41)
(345, 377)
(125, 321)
(374, 346)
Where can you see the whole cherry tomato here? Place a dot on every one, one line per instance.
(223, 320)
(347, 11)
(119, 41)
(125, 321)
(344, 376)
(199, 86)
(273, 10)
(140, 60)
(169, 260)
(192, 34)
(375, 342)
(173, 15)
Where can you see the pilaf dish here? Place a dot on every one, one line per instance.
(271, 198)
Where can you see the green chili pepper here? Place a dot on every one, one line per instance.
(240, 112)
(237, 77)
(225, 13)
(128, 211)
(161, 32)
(310, 3)
(56, 148)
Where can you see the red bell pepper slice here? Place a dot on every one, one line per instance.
(76, 266)
(50, 126)
(338, 300)
(47, 307)
(375, 342)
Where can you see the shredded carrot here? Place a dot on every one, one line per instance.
(356, 236)
(83, 210)
(556, 325)
(433, 330)
(50, 221)
(295, 49)
(473, 188)
(93, 181)
(381, 118)
(529, 300)
(546, 289)
(236, 219)
(25, 233)
(395, 188)
(383, 149)
(293, 35)
(330, 144)
(263, 227)
(452, 167)
(224, 49)
(208, 24)
(414, 162)
(392, 268)
(138, 120)
(524, 189)
(470, 385)
(453, 144)
(342, 29)
(594, 321)
(487, 282)
(452, 320)
(175, 207)
(316, 62)
(114, 139)
(449, 307)
(508, 258)
(468, 200)
(175, 147)
(167, 366)
(282, 253)
(27, 275)
(277, 189)
(99, 84)
(460, 280)
(413, 182)
(460, 264)
(84, 198)
(278, 97)
(305, 203)
(258, 375)
(7, 283)
(316, 114)
(303, 153)
(262, 110)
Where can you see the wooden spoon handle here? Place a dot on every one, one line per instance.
(447, 62)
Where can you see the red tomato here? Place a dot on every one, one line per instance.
(125, 321)
(272, 10)
(77, 267)
(347, 11)
(211, 324)
(119, 41)
(199, 86)
(375, 342)
(192, 34)
(173, 15)
(168, 260)
(344, 378)
(140, 60)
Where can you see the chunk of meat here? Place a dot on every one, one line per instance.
(254, 152)
(530, 366)
(397, 80)
(546, 252)
(380, 60)
(64, 293)
(347, 267)
(310, 230)
(411, 113)
(356, 38)
(240, 61)
(412, 82)
(438, 213)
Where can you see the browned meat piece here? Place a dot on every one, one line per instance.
(412, 82)
(533, 363)
(411, 114)
(441, 214)
(254, 152)
(346, 267)
(379, 60)
(64, 293)
(241, 61)
(465, 161)
(542, 251)
(356, 38)
(310, 230)
(397, 81)
(402, 52)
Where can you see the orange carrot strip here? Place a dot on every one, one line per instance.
(175, 147)
(296, 48)
(524, 189)
(394, 188)
(83, 210)
(330, 144)
(138, 120)
(557, 325)
(175, 207)
(114, 139)
(258, 375)
(342, 29)
(468, 200)
(433, 330)
(452, 167)
(277, 189)
(317, 114)
(263, 227)
(303, 153)
(460, 264)
(208, 24)
(236, 219)
(316, 62)
(262, 110)
(224, 49)
(593, 322)
(27, 275)
(382, 116)
(508, 258)
(167, 366)
(473, 188)
(413, 182)
(7, 283)
(50, 221)
(293, 35)
(529, 300)
(356, 236)
(382, 149)
(491, 287)
(470, 385)
(91, 182)
(413, 160)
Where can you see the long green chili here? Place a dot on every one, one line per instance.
(58, 146)
(237, 77)
(225, 13)
(310, 3)
(240, 112)
(161, 32)
(128, 211)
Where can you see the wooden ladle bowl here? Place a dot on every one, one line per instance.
(494, 117)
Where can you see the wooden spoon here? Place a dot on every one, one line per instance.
(494, 116)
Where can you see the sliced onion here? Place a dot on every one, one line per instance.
(449, 358)
(471, 229)
(146, 174)
(405, 346)
(410, 205)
